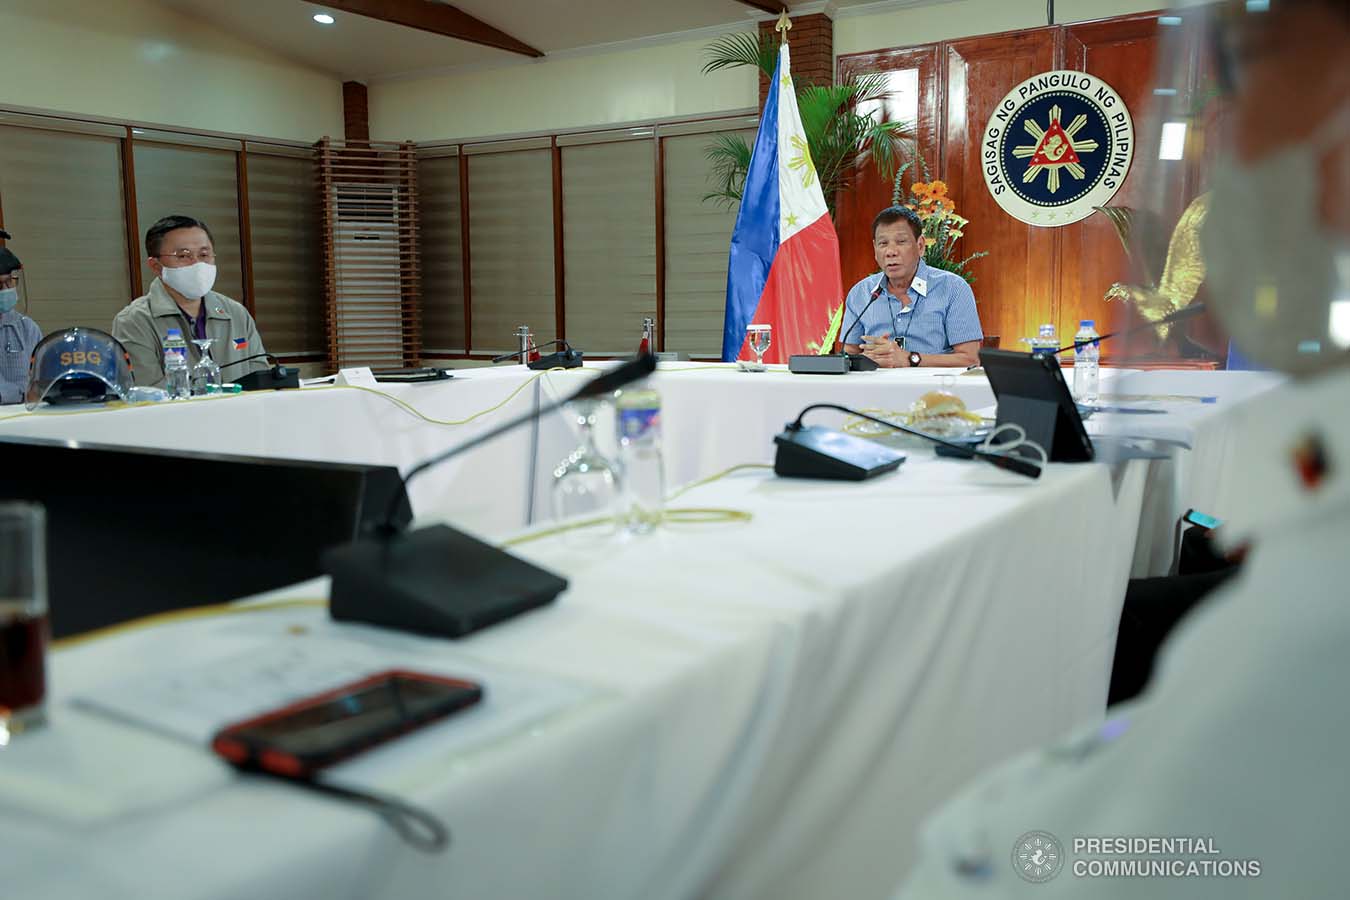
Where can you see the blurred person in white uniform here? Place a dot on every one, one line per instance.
(1230, 776)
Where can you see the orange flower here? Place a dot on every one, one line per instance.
(938, 188)
(920, 190)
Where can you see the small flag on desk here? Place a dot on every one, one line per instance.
(241, 343)
(784, 264)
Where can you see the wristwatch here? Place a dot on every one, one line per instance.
(914, 358)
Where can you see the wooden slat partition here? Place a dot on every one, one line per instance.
(372, 267)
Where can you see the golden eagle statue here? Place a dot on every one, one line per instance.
(1183, 271)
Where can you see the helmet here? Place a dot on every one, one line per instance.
(78, 365)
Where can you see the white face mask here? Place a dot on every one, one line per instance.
(191, 281)
(9, 298)
(1278, 282)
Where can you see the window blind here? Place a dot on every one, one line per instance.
(609, 243)
(442, 256)
(61, 193)
(198, 182)
(698, 239)
(283, 212)
(511, 245)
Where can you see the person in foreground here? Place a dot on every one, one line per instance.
(921, 316)
(1228, 776)
(18, 333)
(183, 257)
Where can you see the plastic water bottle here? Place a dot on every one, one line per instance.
(1046, 342)
(1086, 357)
(644, 480)
(176, 381)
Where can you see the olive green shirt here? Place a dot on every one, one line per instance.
(143, 323)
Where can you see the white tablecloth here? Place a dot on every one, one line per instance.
(778, 704)
(1195, 430)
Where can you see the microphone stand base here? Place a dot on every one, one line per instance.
(815, 452)
(435, 580)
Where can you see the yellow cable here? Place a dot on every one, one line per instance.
(711, 478)
(181, 615)
(863, 428)
(685, 516)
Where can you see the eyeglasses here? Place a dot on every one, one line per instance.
(189, 256)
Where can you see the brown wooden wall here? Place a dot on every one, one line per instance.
(1032, 275)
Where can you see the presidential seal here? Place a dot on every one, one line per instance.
(1038, 856)
(1057, 145)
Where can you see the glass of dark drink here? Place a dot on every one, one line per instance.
(23, 618)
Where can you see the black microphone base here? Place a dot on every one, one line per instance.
(435, 580)
(273, 379)
(565, 359)
(841, 364)
(813, 452)
(815, 364)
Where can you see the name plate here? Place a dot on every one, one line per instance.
(358, 377)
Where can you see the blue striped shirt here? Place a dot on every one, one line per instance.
(18, 336)
(938, 311)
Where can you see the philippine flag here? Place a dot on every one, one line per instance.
(784, 266)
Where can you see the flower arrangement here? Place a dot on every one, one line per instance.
(942, 227)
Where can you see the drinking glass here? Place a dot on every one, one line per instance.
(23, 618)
(759, 336)
(205, 372)
(585, 484)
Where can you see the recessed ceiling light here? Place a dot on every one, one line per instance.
(323, 18)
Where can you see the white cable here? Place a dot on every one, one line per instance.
(1019, 441)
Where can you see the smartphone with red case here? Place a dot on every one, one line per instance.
(297, 740)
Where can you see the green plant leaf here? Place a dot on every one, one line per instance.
(745, 49)
(730, 157)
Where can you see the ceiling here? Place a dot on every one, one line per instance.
(356, 47)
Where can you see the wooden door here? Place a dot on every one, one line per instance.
(1122, 52)
(912, 76)
(1015, 284)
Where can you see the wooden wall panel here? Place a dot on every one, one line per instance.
(914, 77)
(1015, 284)
(1121, 52)
(1033, 275)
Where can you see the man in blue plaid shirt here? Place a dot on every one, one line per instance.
(18, 333)
(911, 314)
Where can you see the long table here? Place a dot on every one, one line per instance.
(714, 417)
(774, 705)
(771, 706)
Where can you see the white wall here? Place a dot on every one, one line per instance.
(965, 18)
(602, 88)
(138, 60)
(666, 80)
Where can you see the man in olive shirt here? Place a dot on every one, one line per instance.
(183, 257)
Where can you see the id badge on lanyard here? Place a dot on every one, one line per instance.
(895, 327)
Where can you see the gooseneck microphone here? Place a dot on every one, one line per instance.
(566, 358)
(1180, 315)
(267, 356)
(273, 379)
(438, 580)
(876, 292)
(606, 383)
